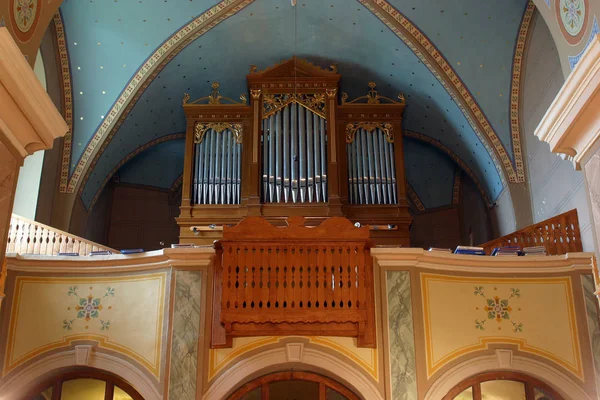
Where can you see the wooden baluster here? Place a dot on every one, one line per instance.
(287, 272)
(319, 276)
(327, 276)
(280, 276)
(362, 276)
(310, 274)
(304, 275)
(263, 278)
(240, 255)
(256, 289)
(338, 290)
(345, 276)
(352, 261)
(249, 277)
(272, 276)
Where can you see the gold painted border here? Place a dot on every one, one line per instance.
(419, 43)
(101, 339)
(432, 367)
(215, 367)
(65, 70)
(141, 80)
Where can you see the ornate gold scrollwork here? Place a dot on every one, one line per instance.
(275, 102)
(373, 97)
(385, 127)
(331, 93)
(215, 97)
(200, 130)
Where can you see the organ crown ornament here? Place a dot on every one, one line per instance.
(372, 97)
(215, 97)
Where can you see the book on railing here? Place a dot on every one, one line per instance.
(534, 251)
(440, 250)
(510, 251)
(68, 254)
(470, 250)
(181, 245)
(100, 253)
(132, 251)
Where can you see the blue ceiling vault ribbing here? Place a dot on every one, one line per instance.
(477, 37)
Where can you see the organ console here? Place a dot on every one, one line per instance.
(294, 150)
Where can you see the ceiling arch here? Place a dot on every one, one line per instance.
(393, 73)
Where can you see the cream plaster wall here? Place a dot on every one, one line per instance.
(28, 184)
(554, 185)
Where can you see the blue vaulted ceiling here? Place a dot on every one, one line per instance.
(114, 38)
(158, 166)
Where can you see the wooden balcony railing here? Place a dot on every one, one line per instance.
(559, 235)
(29, 237)
(294, 280)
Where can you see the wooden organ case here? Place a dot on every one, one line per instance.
(294, 151)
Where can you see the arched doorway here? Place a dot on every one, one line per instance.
(83, 383)
(502, 385)
(293, 386)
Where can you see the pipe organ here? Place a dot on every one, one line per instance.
(295, 150)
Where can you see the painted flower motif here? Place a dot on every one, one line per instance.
(24, 13)
(498, 309)
(88, 308)
(572, 13)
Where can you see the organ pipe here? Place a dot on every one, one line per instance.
(295, 156)
(217, 164)
(371, 170)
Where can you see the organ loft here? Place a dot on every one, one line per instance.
(299, 147)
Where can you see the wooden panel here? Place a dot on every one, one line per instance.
(142, 217)
(559, 235)
(295, 280)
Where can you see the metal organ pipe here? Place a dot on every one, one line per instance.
(295, 161)
(371, 168)
(217, 168)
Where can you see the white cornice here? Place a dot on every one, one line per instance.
(406, 258)
(571, 125)
(185, 258)
(29, 121)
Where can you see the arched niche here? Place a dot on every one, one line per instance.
(17, 385)
(82, 381)
(288, 358)
(505, 361)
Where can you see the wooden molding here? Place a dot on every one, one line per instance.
(571, 125)
(29, 121)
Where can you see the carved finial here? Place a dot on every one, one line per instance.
(243, 98)
(215, 96)
(401, 98)
(186, 98)
(372, 96)
(253, 68)
(344, 97)
(334, 68)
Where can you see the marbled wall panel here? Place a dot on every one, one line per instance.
(593, 319)
(186, 326)
(401, 334)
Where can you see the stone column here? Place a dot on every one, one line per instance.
(572, 128)
(28, 122)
